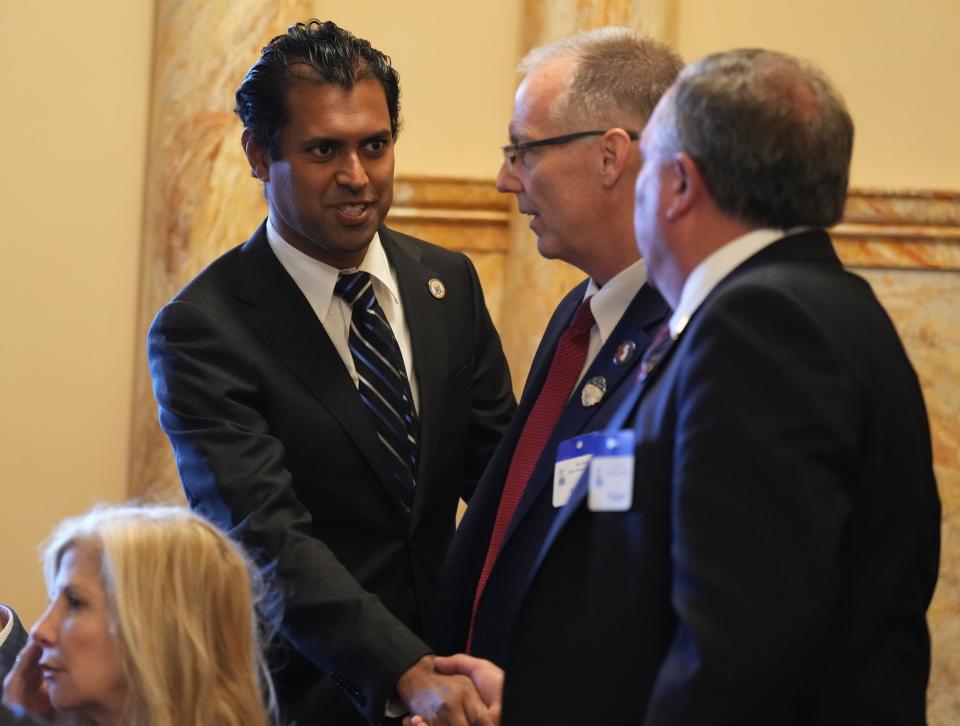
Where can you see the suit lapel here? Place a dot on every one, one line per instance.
(304, 347)
(426, 321)
(642, 316)
(808, 246)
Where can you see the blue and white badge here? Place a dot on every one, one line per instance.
(610, 476)
(608, 460)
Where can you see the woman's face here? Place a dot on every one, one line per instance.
(81, 655)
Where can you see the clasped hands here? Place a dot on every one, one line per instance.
(458, 690)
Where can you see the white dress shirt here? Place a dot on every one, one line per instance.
(317, 280)
(608, 304)
(708, 274)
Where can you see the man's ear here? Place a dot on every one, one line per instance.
(256, 157)
(684, 184)
(619, 153)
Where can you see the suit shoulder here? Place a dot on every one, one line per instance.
(431, 253)
(213, 277)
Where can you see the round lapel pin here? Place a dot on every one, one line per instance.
(624, 353)
(593, 391)
(437, 288)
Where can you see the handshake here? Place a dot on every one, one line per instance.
(458, 690)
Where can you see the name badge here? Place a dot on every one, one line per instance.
(608, 459)
(610, 476)
(573, 458)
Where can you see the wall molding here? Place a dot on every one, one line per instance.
(912, 229)
(464, 214)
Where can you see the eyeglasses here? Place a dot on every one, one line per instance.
(513, 153)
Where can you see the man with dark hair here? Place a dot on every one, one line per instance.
(332, 388)
(572, 163)
(771, 557)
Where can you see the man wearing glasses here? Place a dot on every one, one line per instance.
(572, 163)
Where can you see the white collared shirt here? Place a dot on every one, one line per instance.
(708, 274)
(608, 304)
(317, 280)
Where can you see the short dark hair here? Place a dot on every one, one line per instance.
(314, 52)
(770, 135)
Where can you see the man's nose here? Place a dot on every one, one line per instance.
(507, 181)
(351, 173)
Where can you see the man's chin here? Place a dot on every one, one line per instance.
(547, 249)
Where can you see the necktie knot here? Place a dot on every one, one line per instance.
(352, 286)
(582, 320)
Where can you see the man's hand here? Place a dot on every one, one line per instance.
(442, 699)
(24, 686)
(485, 676)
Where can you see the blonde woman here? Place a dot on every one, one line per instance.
(151, 622)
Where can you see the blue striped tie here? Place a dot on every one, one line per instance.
(383, 387)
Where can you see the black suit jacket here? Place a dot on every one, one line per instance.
(8, 718)
(497, 609)
(274, 444)
(782, 545)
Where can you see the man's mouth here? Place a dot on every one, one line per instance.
(352, 210)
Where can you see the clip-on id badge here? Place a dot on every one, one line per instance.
(608, 460)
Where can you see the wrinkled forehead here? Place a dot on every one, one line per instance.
(538, 93)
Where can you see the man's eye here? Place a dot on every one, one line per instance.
(377, 145)
(322, 150)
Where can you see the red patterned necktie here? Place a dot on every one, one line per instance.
(563, 374)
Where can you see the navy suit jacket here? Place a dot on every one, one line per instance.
(274, 444)
(497, 609)
(782, 545)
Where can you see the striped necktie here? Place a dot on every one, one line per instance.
(383, 383)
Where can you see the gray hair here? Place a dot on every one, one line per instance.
(619, 77)
(770, 135)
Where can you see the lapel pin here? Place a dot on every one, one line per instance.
(437, 288)
(593, 391)
(624, 353)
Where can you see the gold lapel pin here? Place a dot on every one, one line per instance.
(437, 288)
(593, 391)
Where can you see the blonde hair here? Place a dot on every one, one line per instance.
(182, 598)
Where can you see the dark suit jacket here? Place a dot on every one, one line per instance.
(782, 545)
(275, 445)
(8, 718)
(12, 645)
(535, 512)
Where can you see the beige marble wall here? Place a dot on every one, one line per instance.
(923, 305)
(907, 245)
